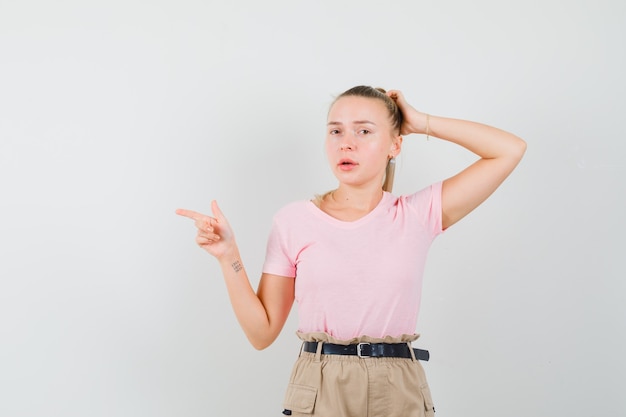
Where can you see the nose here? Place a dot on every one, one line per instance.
(347, 143)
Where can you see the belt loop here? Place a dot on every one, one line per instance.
(411, 351)
(318, 352)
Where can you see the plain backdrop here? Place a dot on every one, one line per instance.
(115, 113)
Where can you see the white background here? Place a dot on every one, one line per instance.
(115, 113)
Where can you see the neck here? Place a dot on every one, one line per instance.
(357, 198)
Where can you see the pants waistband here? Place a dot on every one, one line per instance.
(368, 350)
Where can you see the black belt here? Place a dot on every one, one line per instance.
(368, 350)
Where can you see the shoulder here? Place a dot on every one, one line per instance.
(425, 204)
(425, 195)
(292, 210)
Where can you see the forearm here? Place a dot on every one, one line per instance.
(248, 308)
(485, 141)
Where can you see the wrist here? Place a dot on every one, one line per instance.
(229, 256)
(420, 124)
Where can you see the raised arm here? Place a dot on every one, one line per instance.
(261, 315)
(499, 153)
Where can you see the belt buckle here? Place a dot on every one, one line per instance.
(358, 350)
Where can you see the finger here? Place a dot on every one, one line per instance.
(190, 214)
(218, 213)
(208, 237)
(394, 94)
(202, 222)
(202, 241)
(205, 224)
(206, 230)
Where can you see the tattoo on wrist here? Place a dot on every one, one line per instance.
(237, 266)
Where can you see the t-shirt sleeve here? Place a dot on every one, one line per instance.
(427, 203)
(278, 259)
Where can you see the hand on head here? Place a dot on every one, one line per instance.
(413, 120)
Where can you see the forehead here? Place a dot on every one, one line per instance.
(352, 108)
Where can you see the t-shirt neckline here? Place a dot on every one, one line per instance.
(318, 212)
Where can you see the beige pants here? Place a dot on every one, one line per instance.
(349, 386)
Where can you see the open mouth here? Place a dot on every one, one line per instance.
(347, 164)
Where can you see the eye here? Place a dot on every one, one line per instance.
(334, 132)
(364, 132)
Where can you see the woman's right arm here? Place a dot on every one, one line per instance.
(261, 314)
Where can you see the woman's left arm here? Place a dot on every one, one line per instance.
(499, 153)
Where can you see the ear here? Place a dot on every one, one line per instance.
(396, 146)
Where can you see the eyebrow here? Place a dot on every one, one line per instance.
(356, 122)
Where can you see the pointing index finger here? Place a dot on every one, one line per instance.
(188, 213)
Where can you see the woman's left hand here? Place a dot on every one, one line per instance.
(414, 120)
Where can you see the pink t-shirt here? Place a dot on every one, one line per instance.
(360, 278)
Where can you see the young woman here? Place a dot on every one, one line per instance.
(353, 258)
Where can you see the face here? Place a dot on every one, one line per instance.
(360, 140)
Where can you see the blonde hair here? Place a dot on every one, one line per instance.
(390, 172)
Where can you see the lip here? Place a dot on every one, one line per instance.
(346, 164)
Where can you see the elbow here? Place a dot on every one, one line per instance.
(521, 145)
(260, 343)
(260, 346)
(518, 149)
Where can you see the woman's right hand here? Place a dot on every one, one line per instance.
(214, 233)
